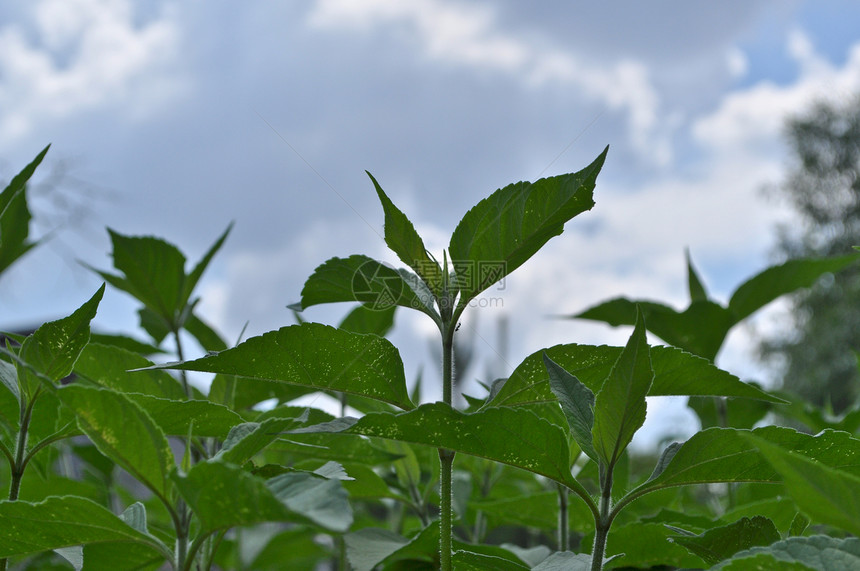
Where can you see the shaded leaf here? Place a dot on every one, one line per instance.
(816, 552)
(577, 402)
(505, 229)
(694, 282)
(109, 366)
(826, 494)
(471, 561)
(224, 496)
(314, 355)
(176, 417)
(364, 320)
(720, 543)
(511, 436)
(565, 561)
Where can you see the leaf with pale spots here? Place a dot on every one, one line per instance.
(511, 436)
(124, 432)
(317, 356)
(62, 522)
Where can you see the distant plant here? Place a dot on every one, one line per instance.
(216, 480)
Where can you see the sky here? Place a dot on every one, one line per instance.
(175, 119)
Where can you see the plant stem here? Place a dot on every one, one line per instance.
(446, 457)
(182, 374)
(20, 463)
(604, 522)
(563, 533)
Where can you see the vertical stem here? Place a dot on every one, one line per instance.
(563, 533)
(446, 457)
(26, 413)
(601, 530)
(182, 374)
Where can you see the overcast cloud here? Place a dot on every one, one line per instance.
(176, 118)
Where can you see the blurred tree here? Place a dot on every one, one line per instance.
(817, 355)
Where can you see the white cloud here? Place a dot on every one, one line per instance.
(82, 54)
(467, 35)
(753, 118)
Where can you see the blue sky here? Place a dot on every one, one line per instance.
(175, 118)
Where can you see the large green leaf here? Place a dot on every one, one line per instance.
(643, 546)
(401, 237)
(176, 417)
(124, 432)
(728, 455)
(828, 495)
(363, 279)
(776, 281)
(224, 496)
(15, 215)
(505, 229)
(511, 436)
(153, 271)
(577, 403)
(365, 320)
(722, 542)
(61, 522)
(703, 326)
(803, 553)
(676, 372)
(619, 407)
(55, 346)
(108, 367)
(317, 356)
(246, 440)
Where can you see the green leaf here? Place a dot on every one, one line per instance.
(643, 546)
(577, 402)
(471, 561)
(317, 356)
(15, 215)
(224, 496)
(364, 320)
(205, 335)
(816, 552)
(401, 237)
(739, 413)
(248, 439)
(190, 282)
(826, 494)
(619, 407)
(694, 283)
(505, 229)
(9, 378)
(176, 417)
(538, 510)
(700, 329)
(362, 279)
(565, 561)
(125, 342)
(124, 432)
(728, 455)
(108, 366)
(720, 543)
(516, 437)
(61, 522)
(55, 346)
(676, 372)
(776, 281)
(798, 525)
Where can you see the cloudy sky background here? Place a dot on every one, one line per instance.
(175, 118)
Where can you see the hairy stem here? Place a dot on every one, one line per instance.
(604, 522)
(563, 533)
(446, 457)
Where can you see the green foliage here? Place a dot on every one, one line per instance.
(220, 483)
